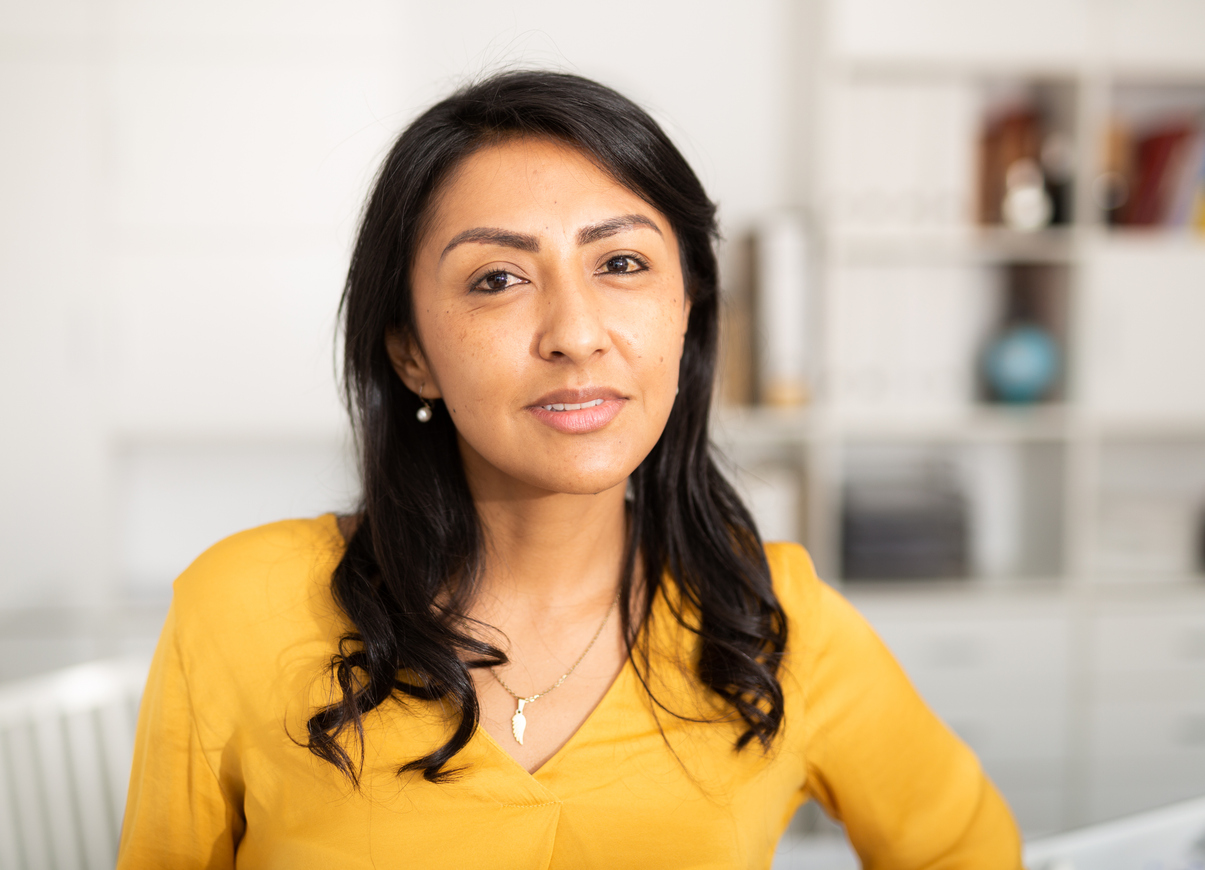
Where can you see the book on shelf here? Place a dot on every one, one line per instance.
(735, 382)
(782, 301)
(1162, 174)
(768, 355)
(1186, 181)
(904, 339)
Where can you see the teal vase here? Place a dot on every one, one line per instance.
(1022, 364)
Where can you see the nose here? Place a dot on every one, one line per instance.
(573, 320)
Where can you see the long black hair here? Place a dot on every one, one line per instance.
(411, 565)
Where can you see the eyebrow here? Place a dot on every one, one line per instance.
(494, 236)
(614, 225)
(529, 243)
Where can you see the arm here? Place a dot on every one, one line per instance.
(178, 813)
(910, 793)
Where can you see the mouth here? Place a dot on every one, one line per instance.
(578, 411)
(562, 406)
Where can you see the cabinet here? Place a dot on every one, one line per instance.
(1147, 697)
(1083, 704)
(997, 669)
(1053, 615)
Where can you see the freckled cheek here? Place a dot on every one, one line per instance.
(655, 353)
(478, 364)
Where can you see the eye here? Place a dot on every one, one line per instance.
(621, 263)
(496, 281)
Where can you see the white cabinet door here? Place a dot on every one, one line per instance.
(997, 673)
(1143, 306)
(1146, 741)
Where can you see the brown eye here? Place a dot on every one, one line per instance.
(494, 282)
(623, 263)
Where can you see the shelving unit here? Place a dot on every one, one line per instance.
(1084, 510)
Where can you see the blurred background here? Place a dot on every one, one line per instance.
(963, 359)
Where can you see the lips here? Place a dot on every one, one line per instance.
(578, 411)
(560, 407)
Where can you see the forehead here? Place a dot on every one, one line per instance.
(534, 185)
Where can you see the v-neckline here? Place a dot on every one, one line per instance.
(535, 775)
(622, 677)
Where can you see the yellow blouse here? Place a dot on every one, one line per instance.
(220, 780)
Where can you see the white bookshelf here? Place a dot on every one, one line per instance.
(1072, 655)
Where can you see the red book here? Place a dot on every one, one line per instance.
(1154, 156)
(1183, 180)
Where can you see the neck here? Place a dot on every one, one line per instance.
(556, 550)
(550, 551)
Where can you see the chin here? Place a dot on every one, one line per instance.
(579, 475)
(577, 482)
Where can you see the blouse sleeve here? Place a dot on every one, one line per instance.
(909, 792)
(178, 813)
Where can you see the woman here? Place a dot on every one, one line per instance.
(550, 636)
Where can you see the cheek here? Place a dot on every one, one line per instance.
(471, 358)
(659, 336)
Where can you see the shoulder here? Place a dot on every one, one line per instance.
(250, 630)
(791, 568)
(819, 618)
(263, 552)
(831, 648)
(800, 591)
(258, 576)
(877, 758)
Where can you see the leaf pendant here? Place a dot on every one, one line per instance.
(518, 723)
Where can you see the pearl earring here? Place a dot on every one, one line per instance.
(424, 413)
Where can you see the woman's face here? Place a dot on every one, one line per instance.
(551, 313)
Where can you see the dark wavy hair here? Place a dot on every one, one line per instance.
(412, 564)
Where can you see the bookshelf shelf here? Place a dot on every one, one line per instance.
(914, 278)
(1051, 245)
(1184, 239)
(978, 423)
(971, 245)
(1157, 431)
(1076, 510)
(1046, 424)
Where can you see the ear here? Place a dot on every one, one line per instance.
(410, 364)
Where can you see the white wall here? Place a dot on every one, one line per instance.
(179, 186)
(1160, 35)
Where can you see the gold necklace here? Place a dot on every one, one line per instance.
(518, 722)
